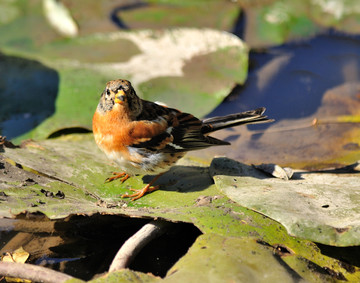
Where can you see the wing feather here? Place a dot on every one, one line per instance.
(182, 134)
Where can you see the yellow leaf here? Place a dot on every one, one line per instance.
(19, 256)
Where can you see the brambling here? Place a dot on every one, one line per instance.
(146, 138)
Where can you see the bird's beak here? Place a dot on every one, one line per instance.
(120, 97)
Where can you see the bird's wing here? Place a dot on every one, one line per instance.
(169, 130)
(188, 136)
(249, 117)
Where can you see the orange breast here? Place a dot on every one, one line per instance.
(110, 132)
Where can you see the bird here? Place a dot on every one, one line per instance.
(148, 138)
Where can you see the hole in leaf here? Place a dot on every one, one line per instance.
(84, 246)
(162, 253)
(282, 250)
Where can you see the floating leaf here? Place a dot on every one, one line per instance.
(8, 12)
(126, 275)
(192, 79)
(65, 176)
(159, 14)
(276, 22)
(228, 260)
(320, 207)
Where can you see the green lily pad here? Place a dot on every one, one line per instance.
(321, 207)
(77, 168)
(8, 12)
(82, 75)
(224, 68)
(155, 14)
(341, 15)
(65, 176)
(19, 34)
(228, 260)
(125, 275)
(232, 259)
(100, 53)
(244, 259)
(280, 21)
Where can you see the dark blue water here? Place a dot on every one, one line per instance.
(28, 90)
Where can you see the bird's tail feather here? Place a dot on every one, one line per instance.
(249, 117)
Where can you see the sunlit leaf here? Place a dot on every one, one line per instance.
(19, 256)
(79, 77)
(320, 207)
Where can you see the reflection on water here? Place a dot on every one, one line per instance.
(311, 89)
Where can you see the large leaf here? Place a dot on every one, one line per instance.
(228, 260)
(154, 14)
(82, 76)
(65, 176)
(276, 22)
(321, 207)
(81, 66)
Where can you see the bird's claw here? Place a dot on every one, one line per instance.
(122, 176)
(139, 193)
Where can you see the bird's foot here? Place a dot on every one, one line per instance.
(139, 193)
(122, 176)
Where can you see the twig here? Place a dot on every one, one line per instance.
(135, 243)
(32, 272)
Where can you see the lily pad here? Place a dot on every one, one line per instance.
(101, 53)
(228, 260)
(320, 207)
(155, 14)
(143, 60)
(65, 176)
(125, 276)
(76, 167)
(276, 22)
(8, 12)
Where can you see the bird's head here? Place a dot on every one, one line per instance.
(119, 94)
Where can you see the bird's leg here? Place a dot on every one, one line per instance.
(147, 189)
(122, 176)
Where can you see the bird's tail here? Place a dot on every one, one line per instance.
(249, 117)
